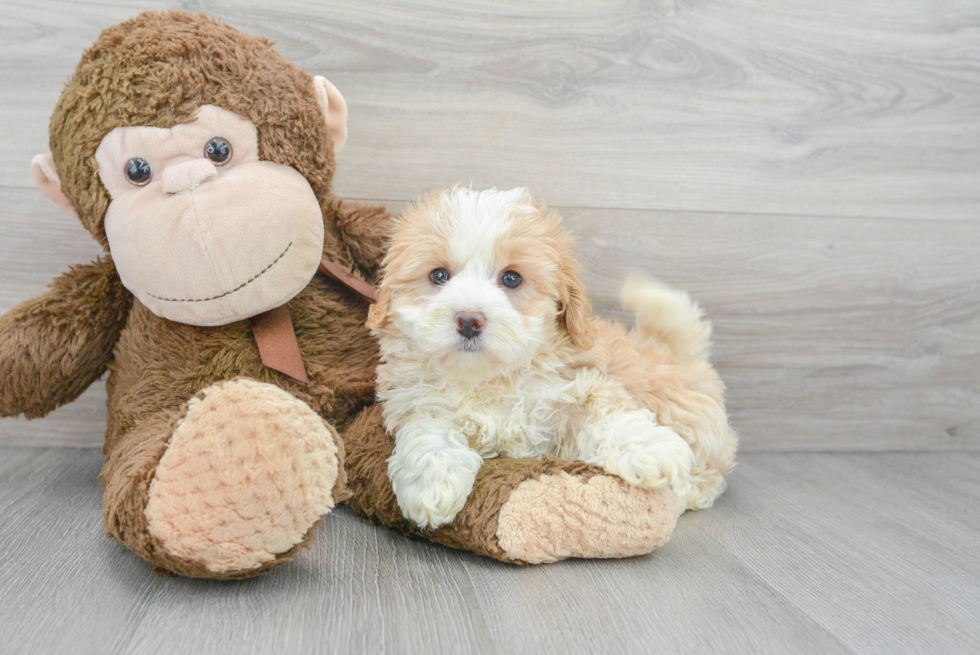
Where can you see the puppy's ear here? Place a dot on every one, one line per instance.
(378, 312)
(575, 310)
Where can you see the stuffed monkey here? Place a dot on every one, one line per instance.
(241, 383)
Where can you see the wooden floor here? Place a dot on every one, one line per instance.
(806, 553)
(812, 177)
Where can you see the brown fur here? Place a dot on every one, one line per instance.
(475, 527)
(155, 70)
(54, 346)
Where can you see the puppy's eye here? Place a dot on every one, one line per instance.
(138, 171)
(439, 276)
(218, 150)
(511, 279)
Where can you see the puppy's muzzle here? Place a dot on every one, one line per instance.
(469, 324)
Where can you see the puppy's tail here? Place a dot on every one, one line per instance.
(667, 316)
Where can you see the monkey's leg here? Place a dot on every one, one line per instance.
(228, 486)
(521, 510)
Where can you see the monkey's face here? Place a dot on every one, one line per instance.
(201, 231)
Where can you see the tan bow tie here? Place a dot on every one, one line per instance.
(274, 331)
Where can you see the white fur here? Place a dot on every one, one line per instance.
(476, 221)
(512, 392)
(667, 314)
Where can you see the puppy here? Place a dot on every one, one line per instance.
(489, 348)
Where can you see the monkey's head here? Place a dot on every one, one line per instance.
(201, 159)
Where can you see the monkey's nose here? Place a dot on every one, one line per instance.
(187, 175)
(469, 324)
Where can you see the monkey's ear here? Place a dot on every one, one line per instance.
(334, 109)
(46, 178)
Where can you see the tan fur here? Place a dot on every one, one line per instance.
(156, 70)
(247, 471)
(558, 516)
(543, 376)
(665, 317)
(687, 396)
(558, 531)
(536, 244)
(183, 242)
(576, 308)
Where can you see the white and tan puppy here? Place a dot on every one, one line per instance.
(489, 348)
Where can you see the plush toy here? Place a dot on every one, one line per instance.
(241, 382)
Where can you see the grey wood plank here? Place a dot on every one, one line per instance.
(847, 334)
(866, 541)
(689, 598)
(823, 553)
(859, 109)
(358, 589)
(795, 556)
(852, 334)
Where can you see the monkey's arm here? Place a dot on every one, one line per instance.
(365, 229)
(54, 346)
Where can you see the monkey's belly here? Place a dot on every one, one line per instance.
(159, 364)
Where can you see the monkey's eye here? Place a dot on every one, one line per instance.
(218, 150)
(439, 276)
(138, 171)
(511, 279)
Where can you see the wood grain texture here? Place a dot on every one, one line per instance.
(808, 174)
(857, 329)
(832, 334)
(808, 553)
(854, 109)
(840, 334)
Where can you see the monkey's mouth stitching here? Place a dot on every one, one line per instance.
(228, 293)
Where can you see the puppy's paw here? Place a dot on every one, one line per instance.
(431, 488)
(647, 454)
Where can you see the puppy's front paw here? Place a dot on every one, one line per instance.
(433, 487)
(647, 454)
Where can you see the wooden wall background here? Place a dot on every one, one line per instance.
(810, 172)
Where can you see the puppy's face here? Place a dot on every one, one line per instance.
(481, 282)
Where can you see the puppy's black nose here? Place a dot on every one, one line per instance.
(469, 324)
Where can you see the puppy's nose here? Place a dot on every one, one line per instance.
(187, 175)
(469, 324)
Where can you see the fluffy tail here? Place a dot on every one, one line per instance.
(667, 316)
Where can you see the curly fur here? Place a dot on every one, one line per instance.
(543, 377)
(156, 70)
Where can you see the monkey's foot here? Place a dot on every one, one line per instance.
(557, 515)
(246, 475)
